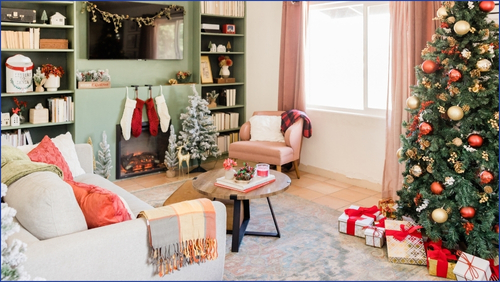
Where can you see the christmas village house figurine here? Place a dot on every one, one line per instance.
(57, 19)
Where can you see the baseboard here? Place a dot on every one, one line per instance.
(340, 177)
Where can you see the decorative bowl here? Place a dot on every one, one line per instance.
(242, 181)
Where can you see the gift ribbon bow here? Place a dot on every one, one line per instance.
(400, 235)
(442, 255)
(471, 268)
(494, 270)
(377, 231)
(355, 215)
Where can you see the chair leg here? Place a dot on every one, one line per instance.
(296, 166)
(278, 168)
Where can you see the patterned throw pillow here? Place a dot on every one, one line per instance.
(47, 152)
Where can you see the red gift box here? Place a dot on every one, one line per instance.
(438, 260)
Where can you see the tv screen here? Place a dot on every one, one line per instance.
(161, 41)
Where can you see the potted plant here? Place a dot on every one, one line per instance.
(53, 75)
(225, 62)
(39, 79)
(93, 79)
(228, 166)
(183, 76)
(21, 106)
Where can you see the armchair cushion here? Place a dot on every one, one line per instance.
(266, 128)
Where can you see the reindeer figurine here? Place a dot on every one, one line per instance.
(182, 158)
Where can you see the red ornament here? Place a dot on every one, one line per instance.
(417, 198)
(495, 228)
(487, 6)
(468, 228)
(475, 140)
(425, 128)
(467, 212)
(437, 188)
(454, 75)
(429, 66)
(486, 177)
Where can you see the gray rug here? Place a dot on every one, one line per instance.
(310, 247)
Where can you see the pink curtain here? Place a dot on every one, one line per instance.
(411, 27)
(291, 92)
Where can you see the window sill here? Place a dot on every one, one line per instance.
(379, 114)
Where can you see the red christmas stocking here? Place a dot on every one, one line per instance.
(137, 118)
(152, 116)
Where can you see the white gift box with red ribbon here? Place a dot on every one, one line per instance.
(353, 224)
(375, 236)
(19, 74)
(471, 268)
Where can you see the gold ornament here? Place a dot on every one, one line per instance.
(483, 65)
(425, 143)
(484, 198)
(413, 102)
(451, 41)
(449, 4)
(429, 169)
(488, 189)
(437, 85)
(475, 73)
(441, 12)
(483, 48)
(454, 91)
(465, 108)
(455, 113)
(416, 170)
(399, 153)
(443, 97)
(411, 153)
(426, 83)
(461, 27)
(425, 51)
(457, 142)
(485, 33)
(445, 62)
(458, 167)
(448, 210)
(409, 179)
(450, 20)
(439, 215)
(485, 156)
(172, 81)
(495, 115)
(441, 109)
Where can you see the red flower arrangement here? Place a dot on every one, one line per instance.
(225, 61)
(229, 163)
(48, 69)
(21, 105)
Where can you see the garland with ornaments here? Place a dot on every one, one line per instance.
(451, 145)
(118, 19)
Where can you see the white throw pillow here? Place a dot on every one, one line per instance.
(65, 144)
(266, 128)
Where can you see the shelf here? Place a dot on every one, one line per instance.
(16, 24)
(220, 84)
(222, 34)
(226, 107)
(30, 125)
(40, 50)
(229, 130)
(38, 93)
(222, 53)
(221, 16)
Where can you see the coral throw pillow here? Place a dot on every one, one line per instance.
(47, 152)
(100, 207)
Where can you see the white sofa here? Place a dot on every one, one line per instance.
(115, 252)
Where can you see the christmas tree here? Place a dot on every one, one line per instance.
(450, 148)
(104, 162)
(171, 160)
(198, 135)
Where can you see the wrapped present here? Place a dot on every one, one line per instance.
(438, 260)
(494, 268)
(387, 207)
(404, 243)
(473, 268)
(374, 236)
(355, 218)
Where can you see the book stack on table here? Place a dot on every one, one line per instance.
(254, 183)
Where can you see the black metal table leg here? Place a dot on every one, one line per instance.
(269, 234)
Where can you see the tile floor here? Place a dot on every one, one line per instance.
(324, 191)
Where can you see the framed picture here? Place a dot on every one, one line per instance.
(229, 28)
(205, 70)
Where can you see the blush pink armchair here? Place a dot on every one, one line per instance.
(274, 153)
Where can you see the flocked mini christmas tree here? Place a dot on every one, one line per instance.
(450, 148)
(104, 162)
(171, 160)
(198, 134)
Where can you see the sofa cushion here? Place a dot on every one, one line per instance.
(45, 205)
(65, 144)
(266, 128)
(99, 206)
(47, 152)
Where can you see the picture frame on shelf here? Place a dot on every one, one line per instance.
(229, 28)
(205, 70)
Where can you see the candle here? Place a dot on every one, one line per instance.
(262, 170)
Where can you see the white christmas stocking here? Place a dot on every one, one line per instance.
(126, 121)
(162, 108)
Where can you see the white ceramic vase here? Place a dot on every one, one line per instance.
(229, 175)
(52, 83)
(224, 72)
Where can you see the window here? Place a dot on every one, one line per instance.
(347, 57)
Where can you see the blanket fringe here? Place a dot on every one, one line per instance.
(176, 256)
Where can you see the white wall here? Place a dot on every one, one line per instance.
(346, 147)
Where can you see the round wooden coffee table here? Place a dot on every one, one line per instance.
(204, 183)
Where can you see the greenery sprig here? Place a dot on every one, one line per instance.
(118, 19)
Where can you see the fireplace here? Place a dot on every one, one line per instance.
(140, 155)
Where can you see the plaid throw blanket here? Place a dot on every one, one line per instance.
(181, 234)
(289, 117)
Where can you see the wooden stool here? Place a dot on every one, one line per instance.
(186, 192)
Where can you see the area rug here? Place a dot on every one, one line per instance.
(310, 247)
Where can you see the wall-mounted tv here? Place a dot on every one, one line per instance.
(161, 41)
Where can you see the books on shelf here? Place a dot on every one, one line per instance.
(16, 138)
(223, 141)
(223, 8)
(29, 39)
(225, 120)
(230, 97)
(61, 109)
(254, 183)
